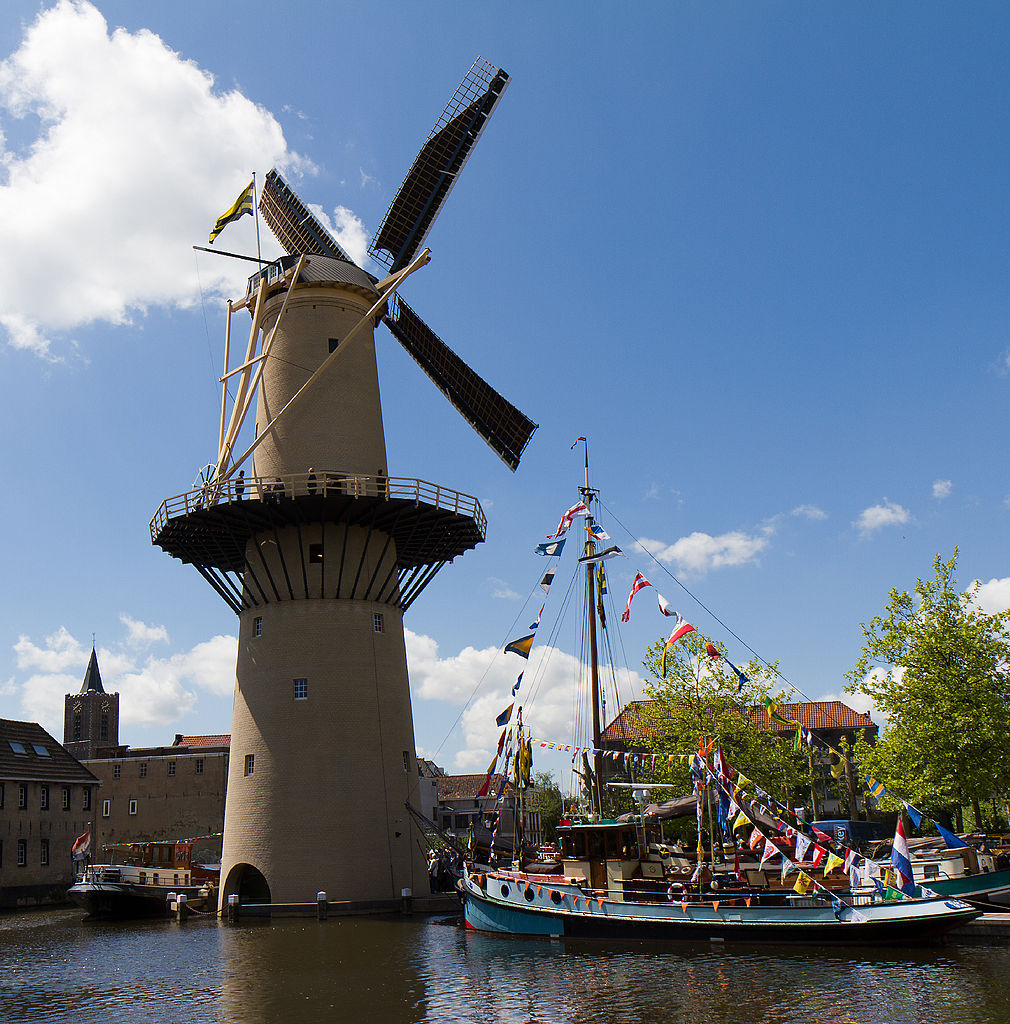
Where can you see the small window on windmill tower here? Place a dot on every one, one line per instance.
(333, 343)
(315, 554)
(377, 622)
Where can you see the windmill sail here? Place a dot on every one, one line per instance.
(291, 222)
(434, 171)
(498, 421)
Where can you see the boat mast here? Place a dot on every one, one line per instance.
(587, 496)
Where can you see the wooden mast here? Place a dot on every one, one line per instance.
(593, 658)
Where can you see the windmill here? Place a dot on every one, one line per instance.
(319, 551)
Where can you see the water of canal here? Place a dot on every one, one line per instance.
(58, 967)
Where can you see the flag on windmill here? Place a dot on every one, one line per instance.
(241, 206)
(681, 628)
(639, 583)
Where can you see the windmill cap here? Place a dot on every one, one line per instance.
(318, 268)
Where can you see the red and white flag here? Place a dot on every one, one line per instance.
(769, 851)
(640, 583)
(680, 628)
(82, 846)
(664, 607)
(818, 855)
(566, 520)
(755, 837)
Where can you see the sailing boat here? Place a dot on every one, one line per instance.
(618, 879)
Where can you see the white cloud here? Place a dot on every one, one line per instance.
(699, 552)
(501, 590)
(548, 678)
(942, 489)
(140, 634)
(153, 691)
(994, 596)
(876, 517)
(809, 512)
(133, 156)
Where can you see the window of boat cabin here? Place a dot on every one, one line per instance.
(44, 852)
(44, 797)
(931, 870)
(595, 845)
(66, 798)
(198, 766)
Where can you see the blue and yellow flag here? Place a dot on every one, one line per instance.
(876, 788)
(521, 646)
(241, 206)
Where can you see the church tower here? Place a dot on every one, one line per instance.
(90, 716)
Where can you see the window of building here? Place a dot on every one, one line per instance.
(117, 771)
(333, 343)
(1, 796)
(22, 796)
(315, 554)
(377, 622)
(44, 852)
(250, 763)
(41, 750)
(258, 626)
(22, 852)
(106, 808)
(44, 797)
(143, 769)
(18, 748)
(66, 798)
(86, 805)
(301, 690)
(199, 766)
(171, 767)
(406, 761)
(132, 807)
(104, 728)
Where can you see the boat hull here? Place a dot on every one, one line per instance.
(123, 900)
(487, 908)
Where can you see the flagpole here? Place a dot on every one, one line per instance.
(256, 215)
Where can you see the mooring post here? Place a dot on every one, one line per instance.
(181, 910)
(406, 901)
(233, 908)
(321, 906)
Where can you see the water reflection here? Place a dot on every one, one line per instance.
(58, 968)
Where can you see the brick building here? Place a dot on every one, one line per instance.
(47, 800)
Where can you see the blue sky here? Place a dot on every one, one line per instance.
(756, 253)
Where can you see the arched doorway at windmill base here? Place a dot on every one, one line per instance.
(247, 883)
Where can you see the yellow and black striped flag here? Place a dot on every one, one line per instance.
(241, 206)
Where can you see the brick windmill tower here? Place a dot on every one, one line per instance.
(319, 551)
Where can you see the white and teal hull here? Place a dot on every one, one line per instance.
(507, 903)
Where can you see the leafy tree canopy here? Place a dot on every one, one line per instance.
(937, 668)
(547, 798)
(702, 696)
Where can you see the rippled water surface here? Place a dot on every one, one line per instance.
(57, 967)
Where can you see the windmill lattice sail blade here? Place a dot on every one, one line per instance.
(497, 420)
(433, 173)
(291, 222)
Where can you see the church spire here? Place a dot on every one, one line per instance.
(92, 677)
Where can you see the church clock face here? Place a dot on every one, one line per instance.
(105, 705)
(78, 706)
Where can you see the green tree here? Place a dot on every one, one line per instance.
(702, 696)
(937, 668)
(546, 797)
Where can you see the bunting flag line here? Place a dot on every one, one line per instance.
(545, 583)
(740, 675)
(769, 851)
(755, 837)
(664, 607)
(551, 548)
(802, 845)
(876, 789)
(521, 646)
(515, 689)
(639, 583)
(681, 628)
(241, 206)
(580, 509)
(598, 532)
(833, 861)
(803, 883)
(504, 717)
(483, 791)
(536, 624)
(914, 813)
(953, 842)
